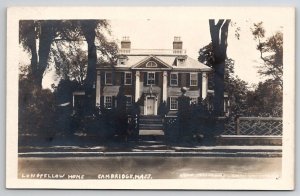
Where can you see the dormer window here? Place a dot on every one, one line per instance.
(151, 64)
(180, 60)
(122, 61)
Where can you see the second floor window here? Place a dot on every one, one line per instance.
(108, 78)
(174, 79)
(128, 78)
(151, 64)
(150, 78)
(193, 79)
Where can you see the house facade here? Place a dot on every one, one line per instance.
(151, 77)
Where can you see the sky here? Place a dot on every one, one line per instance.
(159, 34)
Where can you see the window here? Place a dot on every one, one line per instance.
(108, 78)
(193, 79)
(174, 79)
(173, 103)
(108, 102)
(194, 100)
(151, 64)
(151, 78)
(128, 100)
(128, 78)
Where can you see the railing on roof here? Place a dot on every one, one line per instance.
(153, 51)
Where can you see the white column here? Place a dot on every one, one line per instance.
(204, 85)
(165, 83)
(98, 89)
(137, 86)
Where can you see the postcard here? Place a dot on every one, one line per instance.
(180, 98)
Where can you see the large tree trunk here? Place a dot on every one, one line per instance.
(47, 34)
(219, 33)
(32, 45)
(88, 29)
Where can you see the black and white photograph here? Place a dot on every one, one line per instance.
(150, 98)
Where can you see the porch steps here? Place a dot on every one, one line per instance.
(151, 125)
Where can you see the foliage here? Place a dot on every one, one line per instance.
(234, 86)
(265, 100)
(271, 52)
(48, 32)
(70, 61)
(36, 110)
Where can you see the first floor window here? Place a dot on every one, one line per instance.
(173, 103)
(151, 78)
(193, 79)
(108, 78)
(128, 100)
(108, 102)
(194, 100)
(128, 78)
(174, 79)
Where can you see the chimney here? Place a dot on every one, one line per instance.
(125, 43)
(177, 43)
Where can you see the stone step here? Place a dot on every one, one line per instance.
(154, 126)
(149, 121)
(151, 132)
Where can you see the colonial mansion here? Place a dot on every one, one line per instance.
(150, 76)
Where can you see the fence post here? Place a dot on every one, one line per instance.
(237, 125)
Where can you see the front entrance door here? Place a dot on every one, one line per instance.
(150, 105)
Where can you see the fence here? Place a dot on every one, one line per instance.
(239, 125)
(253, 126)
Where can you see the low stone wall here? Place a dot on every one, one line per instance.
(249, 140)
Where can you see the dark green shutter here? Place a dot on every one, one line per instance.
(200, 84)
(122, 78)
(102, 74)
(102, 101)
(188, 79)
(113, 104)
(156, 78)
(179, 79)
(168, 103)
(145, 78)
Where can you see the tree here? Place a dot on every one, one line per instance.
(234, 86)
(219, 34)
(265, 100)
(44, 31)
(271, 52)
(70, 61)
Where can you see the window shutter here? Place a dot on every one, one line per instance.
(102, 101)
(179, 79)
(113, 100)
(102, 74)
(168, 104)
(156, 78)
(169, 78)
(122, 77)
(200, 84)
(145, 78)
(188, 79)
